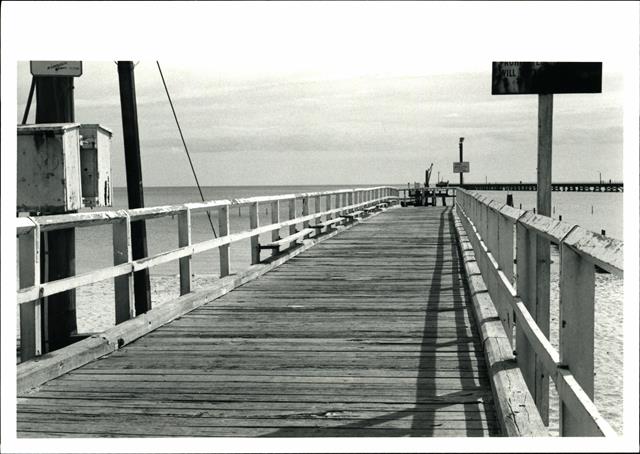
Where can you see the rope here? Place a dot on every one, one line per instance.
(28, 106)
(193, 170)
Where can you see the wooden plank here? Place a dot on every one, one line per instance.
(123, 285)
(255, 239)
(33, 373)
(305, 211)
(292, 215)
(525, 284)
(30, 313)
(184, 239)
(518, 416)
(373, 322)
(577, 311)
(275, 219)
(288, 239)
(223, 227)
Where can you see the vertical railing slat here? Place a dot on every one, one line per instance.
(224, 252)
(526, 288)
(327, 206)
(123, 285)
(292, 215)
(576, 340)
(31, 312)
(305, 211)
(253, 224)
(184, 239)
(275, 219)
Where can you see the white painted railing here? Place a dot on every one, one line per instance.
(29, 229)
(521, 297)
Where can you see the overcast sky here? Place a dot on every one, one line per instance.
(364, 93)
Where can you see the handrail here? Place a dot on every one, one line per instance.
(28, 229)
(63, 221)
(493, 230)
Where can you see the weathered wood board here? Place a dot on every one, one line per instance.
(366, 334)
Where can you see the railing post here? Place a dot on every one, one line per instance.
(338, 203)
(327, 203)
(292, 215)
(123, 285)
(305, 211)
(505, 259)
(184, 239)
(317, 208)
(223, 227)
(576, 340)
(527, 270)
(275, 219)
(253, 224)
(31, 312)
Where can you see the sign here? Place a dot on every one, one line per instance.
(527, 78)
(461, 167)
(56, 68)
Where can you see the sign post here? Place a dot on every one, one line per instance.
(543, 79)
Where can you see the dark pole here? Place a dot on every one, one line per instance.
(134, 180)
(54, 104)
(461, 159)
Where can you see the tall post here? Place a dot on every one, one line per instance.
(543, 252)
(135, 193)
(461, 159)
(54, 104)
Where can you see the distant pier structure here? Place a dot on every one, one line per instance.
(611, 186)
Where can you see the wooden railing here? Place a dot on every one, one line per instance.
(31, 290)
(521, 297)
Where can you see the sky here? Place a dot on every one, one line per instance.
(373, 95)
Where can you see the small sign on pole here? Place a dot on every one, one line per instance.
(461, 167)
(56, 68)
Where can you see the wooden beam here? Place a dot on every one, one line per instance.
(184, 239)
(30, 313)
(255, 239)
(133, 167)
(123, 285)
(223, 228)
(577, 310)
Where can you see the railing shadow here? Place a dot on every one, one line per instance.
(424, 412)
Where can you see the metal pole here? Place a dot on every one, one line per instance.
(135, 193)
(54, 104)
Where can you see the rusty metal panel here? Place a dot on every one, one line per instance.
(48, 168)
(526, 77)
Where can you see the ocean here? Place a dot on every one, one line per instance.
(594, 211)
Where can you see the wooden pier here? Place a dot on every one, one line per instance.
(377, 321)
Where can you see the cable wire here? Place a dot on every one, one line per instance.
(185, 146)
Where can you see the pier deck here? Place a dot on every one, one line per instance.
(369, 333)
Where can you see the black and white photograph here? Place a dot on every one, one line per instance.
(320, 226)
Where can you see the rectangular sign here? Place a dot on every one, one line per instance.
(56, 68)
(461, 167)
(527, 78)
